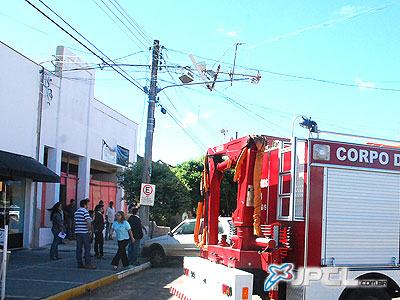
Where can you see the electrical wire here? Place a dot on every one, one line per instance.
(123, 23)
(188, 130)
(187, 103)
(300, 77)
(129, 55)
(101, 67)
(250, 112)
(45, 33)
(118, 25)
(132, 22)
(137, 25)
(197, 142)
(131, 80)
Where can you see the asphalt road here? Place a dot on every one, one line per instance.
(152, 283)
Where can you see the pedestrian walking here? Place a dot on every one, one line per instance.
(124, 232)
(56, 229)
(98, 225)
(110, 218)
(82, 232)
(137, 232)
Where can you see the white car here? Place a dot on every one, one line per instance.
(180, 241)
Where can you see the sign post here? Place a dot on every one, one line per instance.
(147, 193)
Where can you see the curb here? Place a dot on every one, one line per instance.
(85, 288)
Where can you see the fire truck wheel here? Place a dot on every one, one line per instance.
(157, 258)
(369, 294)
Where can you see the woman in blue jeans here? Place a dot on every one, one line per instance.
(124, 232)
(56, 219)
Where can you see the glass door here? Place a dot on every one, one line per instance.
(12, 207)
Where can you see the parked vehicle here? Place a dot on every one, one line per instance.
(179, 242)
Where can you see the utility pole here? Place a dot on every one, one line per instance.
(146, 175)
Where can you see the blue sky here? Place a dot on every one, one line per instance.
(361, 51)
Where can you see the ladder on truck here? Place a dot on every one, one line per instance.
(291, 180)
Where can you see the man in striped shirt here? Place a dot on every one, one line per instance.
(82, 232)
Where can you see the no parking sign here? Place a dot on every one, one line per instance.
(147, 193)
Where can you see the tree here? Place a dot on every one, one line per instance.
(191, 172)
(227, 194)
(171, 194)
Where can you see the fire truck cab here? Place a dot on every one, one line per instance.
(308, 202)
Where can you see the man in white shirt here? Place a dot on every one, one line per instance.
(110, 217)
(83, 228)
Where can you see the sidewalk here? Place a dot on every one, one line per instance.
(31, 274)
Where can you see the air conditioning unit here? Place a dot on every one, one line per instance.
(186, 77)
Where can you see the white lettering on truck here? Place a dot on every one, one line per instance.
(397, 160)
(339, 155)
(365, 156)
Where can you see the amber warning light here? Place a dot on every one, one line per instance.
(245, 293)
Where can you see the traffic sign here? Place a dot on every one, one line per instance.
(147, 193)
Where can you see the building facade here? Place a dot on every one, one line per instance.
(53, 117)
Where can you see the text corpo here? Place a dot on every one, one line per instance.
(367, 156)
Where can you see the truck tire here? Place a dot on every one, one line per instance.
(157, 258)
(369, 294)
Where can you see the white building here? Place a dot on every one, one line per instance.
(54, 118)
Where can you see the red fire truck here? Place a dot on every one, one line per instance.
(332, 206)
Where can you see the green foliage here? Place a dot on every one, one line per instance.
(177, 189)
(171, 195)
(130, 180)
(190, 174)
(227, 194)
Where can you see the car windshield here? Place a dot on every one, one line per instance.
(188, 228)
(185, 228)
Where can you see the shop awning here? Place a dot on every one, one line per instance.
(14, 166)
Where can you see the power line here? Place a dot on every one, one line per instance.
(188, 133)
(132, 22)
(132, 80)
(118, 25)
(101, 67)
(123, 23)
(129, 55)
(187, 102)
(247, 111)
(43, 32)
(308, 78)
(188, 130)
(102, 59)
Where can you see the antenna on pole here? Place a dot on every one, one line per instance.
(234, 60)
(201, 68)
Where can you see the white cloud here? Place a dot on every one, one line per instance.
(208, 114)
(364, 86)
(190, 119)
(349, 10)
(232, 33)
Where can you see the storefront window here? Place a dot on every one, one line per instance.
(12, 204)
